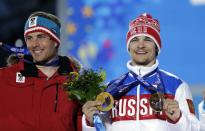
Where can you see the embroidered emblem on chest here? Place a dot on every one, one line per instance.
(20, 78)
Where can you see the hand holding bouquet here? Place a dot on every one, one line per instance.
(89, 86)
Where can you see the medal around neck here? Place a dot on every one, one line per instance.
(107, 101)
(156, 101)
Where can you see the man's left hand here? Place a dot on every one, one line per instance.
(171, 108)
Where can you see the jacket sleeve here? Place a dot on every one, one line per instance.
(79, 119)
(188, 120)
(201, 116)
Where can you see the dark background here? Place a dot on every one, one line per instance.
(13, 15)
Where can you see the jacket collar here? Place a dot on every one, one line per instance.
(30, 69)
(142, 70)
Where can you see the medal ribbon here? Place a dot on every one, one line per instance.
(147, 85)
(54, 62)
(118, 89)
(99, 126)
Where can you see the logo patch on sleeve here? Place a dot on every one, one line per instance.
(191, 106)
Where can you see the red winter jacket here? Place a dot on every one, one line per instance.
(31, 102)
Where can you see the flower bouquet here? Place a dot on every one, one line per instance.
(89, 86)
(85, 86)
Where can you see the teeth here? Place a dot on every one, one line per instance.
(37, 51)
(140, 52)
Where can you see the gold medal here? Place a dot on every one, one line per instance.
(156, 102)
(107, 101)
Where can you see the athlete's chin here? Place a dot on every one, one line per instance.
(38, 59)
(141, 63)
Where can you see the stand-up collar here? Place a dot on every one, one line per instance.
(142, 70)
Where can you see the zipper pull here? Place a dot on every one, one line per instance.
(140, 72)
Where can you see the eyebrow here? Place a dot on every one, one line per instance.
(36, 35)
(135, 38)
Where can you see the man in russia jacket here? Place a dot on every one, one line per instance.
(136, 108)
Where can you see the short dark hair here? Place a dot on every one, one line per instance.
(47, 15)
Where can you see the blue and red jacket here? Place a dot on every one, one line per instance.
(132, 111)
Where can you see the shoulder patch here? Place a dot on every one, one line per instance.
(191, 106)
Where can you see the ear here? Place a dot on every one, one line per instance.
(56, 45)
(156, 50)
(128, 47)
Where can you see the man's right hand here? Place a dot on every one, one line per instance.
(89, 109)
(1, 43)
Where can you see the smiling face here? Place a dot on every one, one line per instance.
(143, 51)
(41, 47)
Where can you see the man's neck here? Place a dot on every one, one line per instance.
(49, 71)
(52, 62)
(50, 67)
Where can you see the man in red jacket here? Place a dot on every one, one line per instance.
(31, 93)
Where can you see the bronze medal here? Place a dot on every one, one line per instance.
(107, 101)
(156, 101)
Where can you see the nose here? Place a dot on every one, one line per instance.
(141, 43)
(35, 42)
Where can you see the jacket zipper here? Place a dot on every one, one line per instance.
(56, 99)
